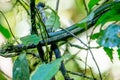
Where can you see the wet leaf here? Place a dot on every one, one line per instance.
(53, 21)
(21, 68)
(29, 40)
(110, 36)
(46, 71)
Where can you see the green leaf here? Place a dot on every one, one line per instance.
(95, 36)
(46, 71)
(21, 68)
(92, 3)
(118, 52)
(30, 39)
(5, 32)
(109, 52)
(112, 15)
(110, 36)
(53, 21)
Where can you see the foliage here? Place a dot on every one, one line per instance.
(111, 15)
(92, 3)
(49, 70)
(30, 40)
(110, 36)
(21, 68)
(5, 32)
(109, 52)
(50, 63)
(53, 21)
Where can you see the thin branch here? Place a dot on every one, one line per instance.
(87, 66)
(84, 2)
(80, 74)
(89, 50)
(9, 27)
(75, 37)
(57, 5)
(77, 46)
(24, 4)
(9, 55)
(86, 9)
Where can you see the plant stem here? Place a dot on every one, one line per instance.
(33, 13)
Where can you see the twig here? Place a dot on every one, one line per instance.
(86, 9)
(80, 74)
(9, 27)
(77, 46)
(57, 5)
(87, 66)
(24, 6)
(84, 2)
(9, 55)
(88, 49)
